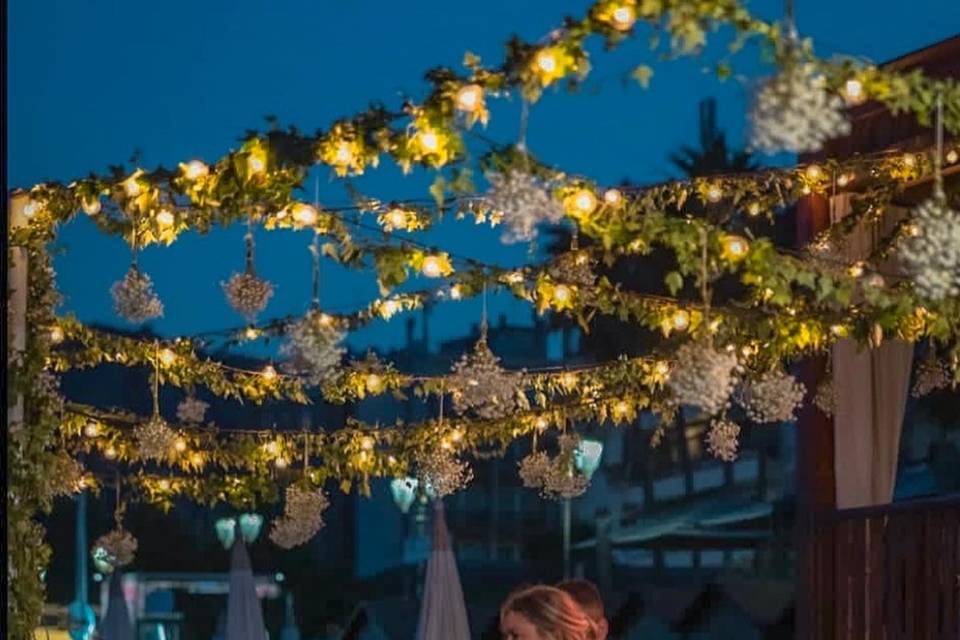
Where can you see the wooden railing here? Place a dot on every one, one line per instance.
(882, 573)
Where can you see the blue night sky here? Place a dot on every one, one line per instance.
(91, 81)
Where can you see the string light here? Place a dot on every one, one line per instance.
(90, 206)
(388, 308)
(432, 268)
(164, 484)
(714, 193)
(623, 17)
(180, 445)
(31, 209)
(269, 373)
(281, 463)
(813, 172)
(367, 443)
(844, 179)
(91, 429)
(252, 333)
(374, 383)
(753, 209)
(735, 247)
(56, 335)
(456, 292)
(196, 459)
(344, 155)
(612, 196)
(546, 61)
(304, 214)
(194, 170)
(165, 218)
(856, 270)
(110, 453)
(909, 160)
(584, 201)
(853, 92)
(562, 293)
(429, 140)
(167, 357)
(952, 156)
(131, 186)
(256, 164)
(541, 423)
(681, 319)
(662, 367)
(469, 98)
(397, 218)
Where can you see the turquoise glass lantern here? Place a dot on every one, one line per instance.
(404, 492)
(226, 531)
(250, 525)
(587, 457)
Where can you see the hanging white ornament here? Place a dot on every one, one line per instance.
(192, 410)
(116, 548)
(155, 439)
(315, 348)
(522, 201)
(794, 112)
(480, 386)
(823, 399)
(931, 254)
(575, 268)
(932, 375)
(246, 292)
(70, 474)
(773, 397)
(723, 439)
(442, 472)
(134, 298)
(533, 469)
(703, 376)
(302, 517)
(563, 480)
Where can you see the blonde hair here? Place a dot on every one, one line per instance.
(553, 612)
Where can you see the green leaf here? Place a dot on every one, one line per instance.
(724, 71)
(674, 282)
(438, 190)
(642, 74)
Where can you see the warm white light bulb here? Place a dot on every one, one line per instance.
(714, 194)
(195, 169)
(585, 201)
(344, 155)
(431, 267)
(624, 17)
(56, 335)
(612, 196)
(165, 218)
(546, 61)
(561, 293)
(853, 91)
(91, 206)
(397, 218)
(469, 98)
(681, 319)
(269, 373)
(304, 214)
(31, 209)
(429, 141)
(167, 357)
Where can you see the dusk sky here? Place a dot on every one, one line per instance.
(91, 81)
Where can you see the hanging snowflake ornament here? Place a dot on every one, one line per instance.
(442, 473)
(931, 253)
(192, 410)
(703, 376)
(522, 201)
(794, 112)
(575, 268)
(315, 348)
(302, 517)
(723, 439)
(116, 548)
(134, 298)
(480, 386)
(932, 375)
(533, 470)
(773, 397)
(823, 399)
(563, 481)
(247, 293)
(155, 438)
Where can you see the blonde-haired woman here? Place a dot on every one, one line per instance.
(544, 613)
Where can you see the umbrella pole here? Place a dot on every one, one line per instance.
(566, 538)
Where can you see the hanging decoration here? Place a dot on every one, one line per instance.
(574, 268)
(192, 410)
(155, 439)
(775, 396)
(522, 201)
(314, 348)
(533, 469)
(932, 375)
(442, 473)
(723, 439)
(117, 548)
(824, 399)
(246, 292)
(134, 298)
(703, 376)
(563, 480)
(302, 516)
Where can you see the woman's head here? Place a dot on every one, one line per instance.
(544, 613)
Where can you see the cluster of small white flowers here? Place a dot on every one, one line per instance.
(155, 438)
(574, 268)
(932, 254)
(774, 397)
(134, 298)
(794, 112)
(703, 376)
(823, 399)
(192, 410)
(563, 480)
(117, 548)
(248, 293)
(932, 375)
(723, 439)
(523, 201)
(533, 469)
(315, 348)
(302, 517)
(442, 472)
(479, 384)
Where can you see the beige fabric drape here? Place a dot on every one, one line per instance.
(870, 392)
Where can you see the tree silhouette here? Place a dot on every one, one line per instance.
(713, 157)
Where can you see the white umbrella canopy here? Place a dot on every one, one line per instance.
(443, 614)
(244, 615)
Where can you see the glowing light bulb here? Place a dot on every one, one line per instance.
(546, 61)
(838, 330)
(853, 91)
(432, 267)
(272, 448)
(562, 293)
(397, 218)
(343, 154)
(194, 170)
(621, 408)
(304, 214)
(110, 453)
(612, 196)
(367, 443)
(456, 435)
(912, 230)
(325, 320)
(753, 208)
(389, 308)
(196, 459)
(91, 206)
(167, 357)
(568, 379)
(374, 383)
(952, 156)
(662, 367)
(164, 485)
(429, 140)
(541, 423)
(844, 179)
(251, 333)
(909, 160)
(714, 193)
(681, 319)
(165, 218)
(735, 247)
(269, 373)
(180, 445)
(255, 164)
(469, 98)
(856, 270)
(456, 292)
(31, 209)
(56, 335)
(813, 172)
(624, 17)
(91, 430)
(585, 201)
(131, 187)
(281, 463)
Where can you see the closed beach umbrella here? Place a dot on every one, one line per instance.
(443, 614)
(244, 616)
(116, 625)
